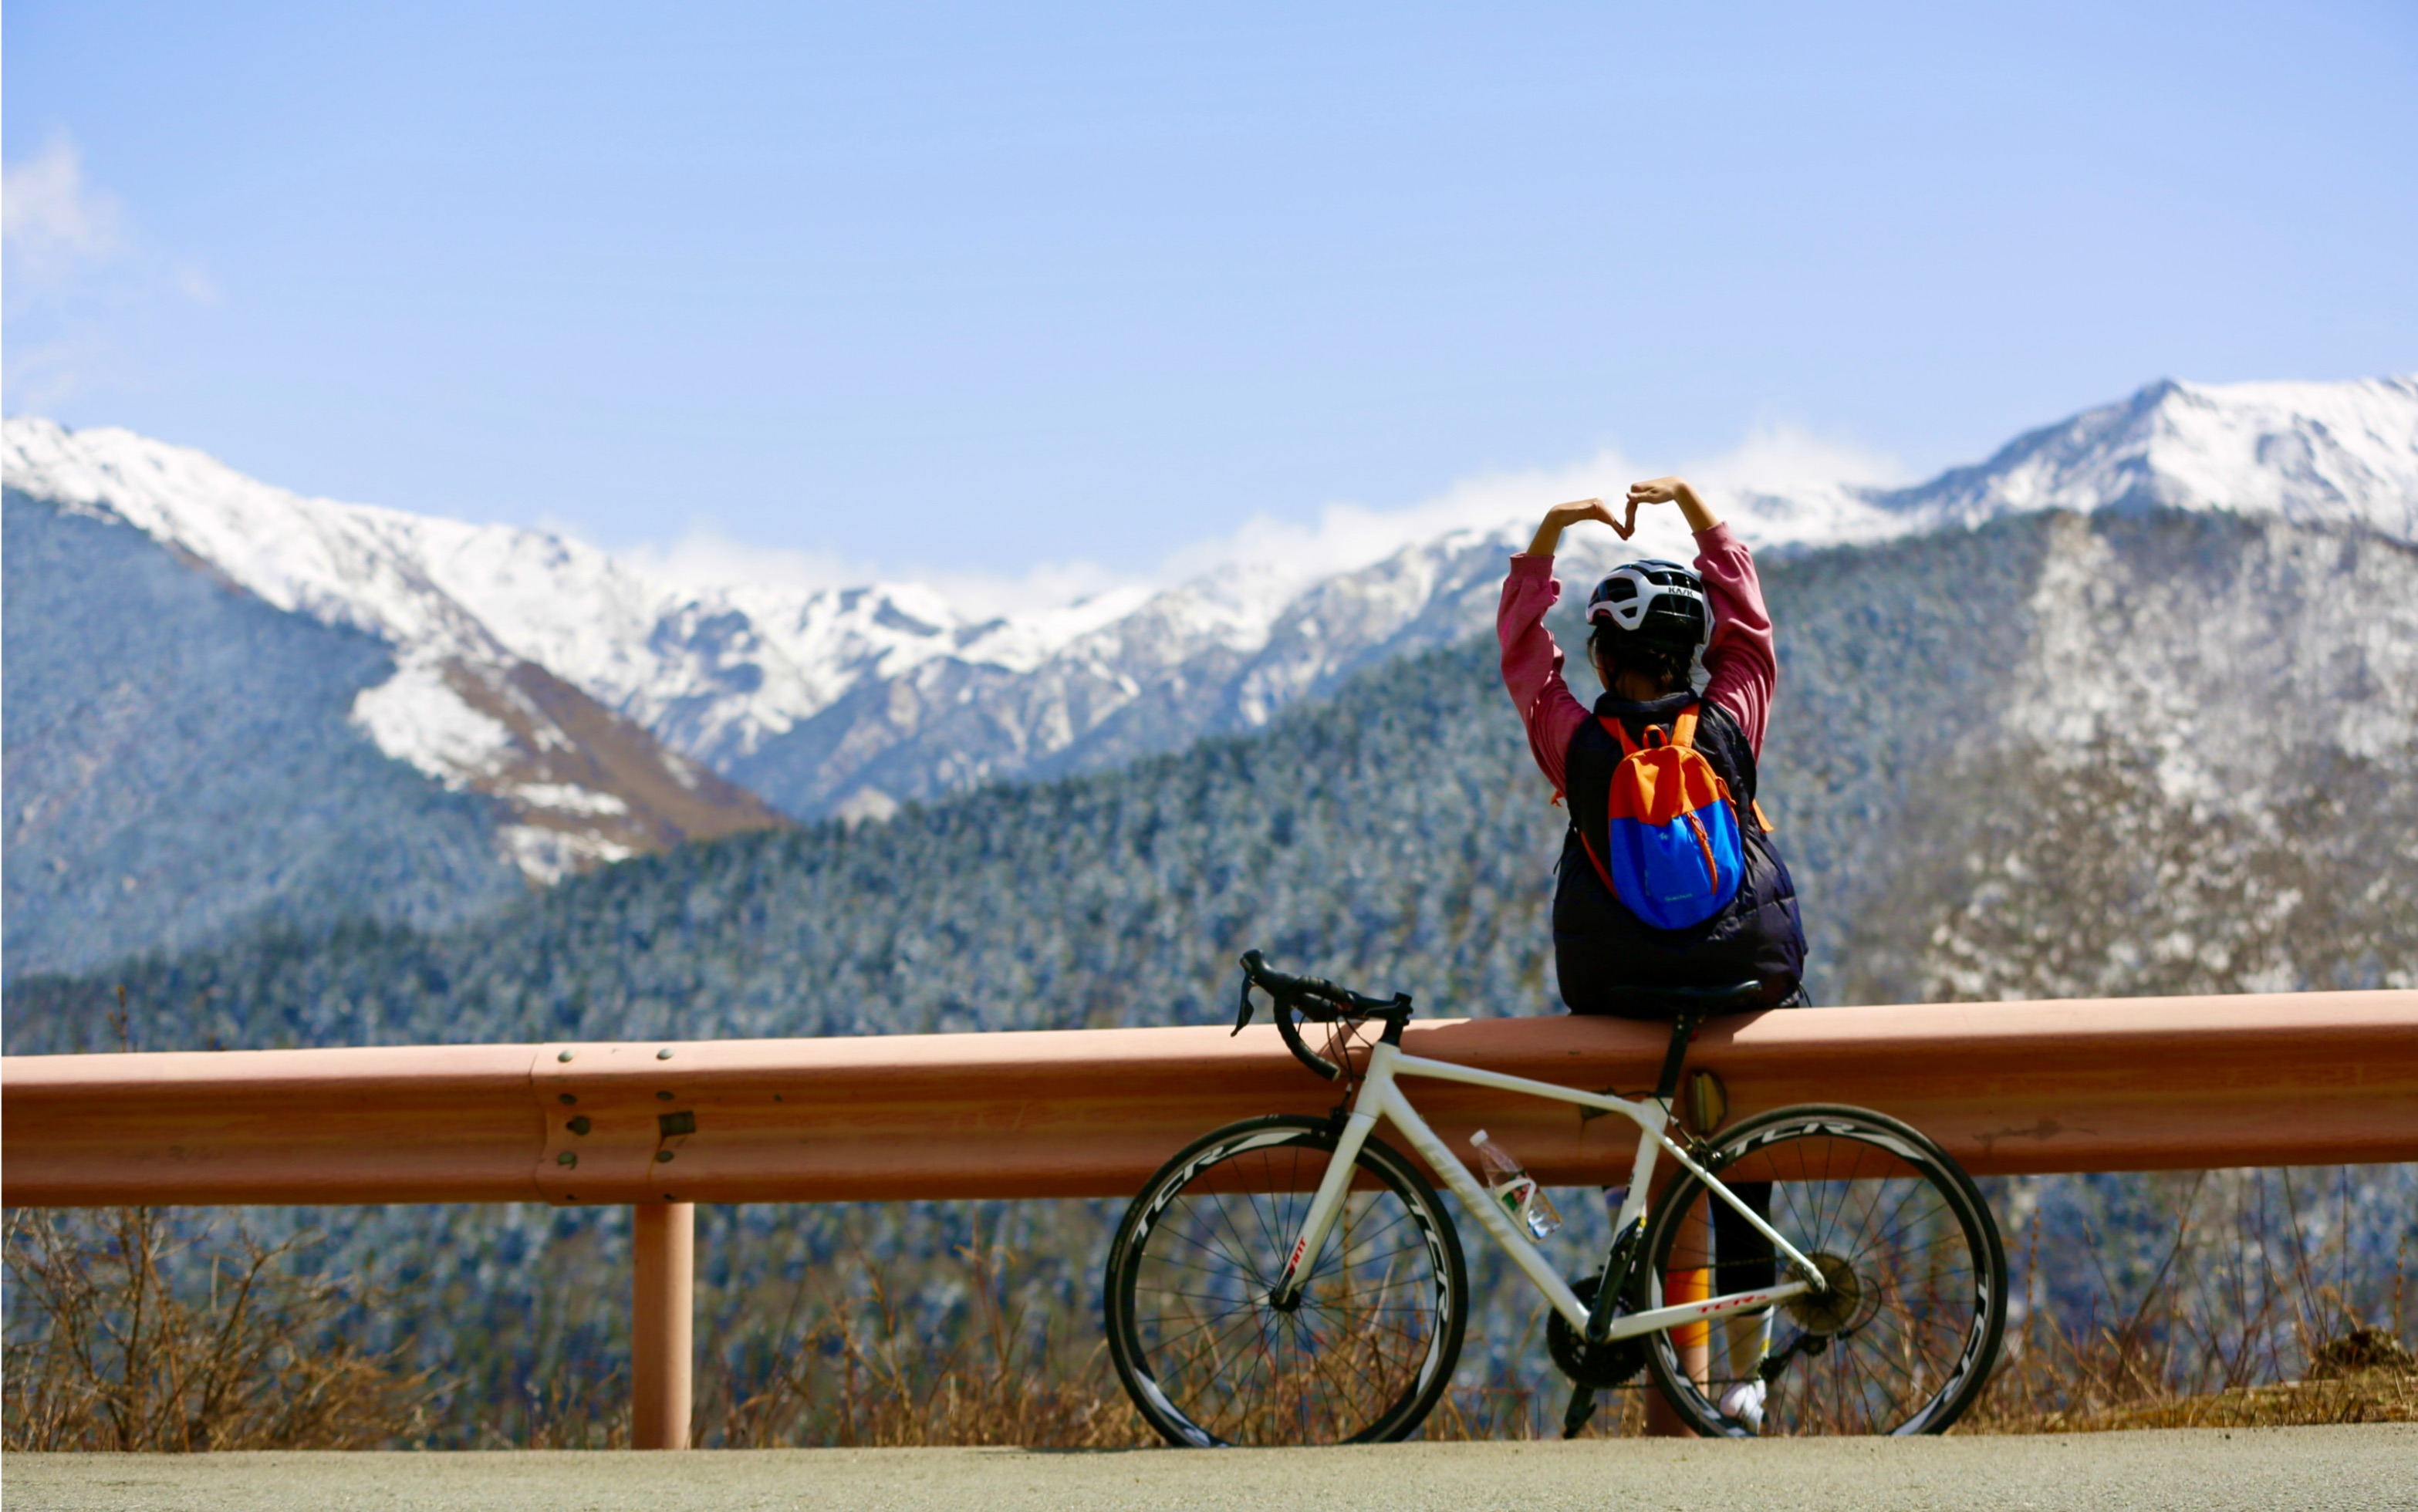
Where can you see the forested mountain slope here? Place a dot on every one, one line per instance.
(187, 762)
(601, 712)
(147, 706)
(2116, 754)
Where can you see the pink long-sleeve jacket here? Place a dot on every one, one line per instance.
(1739, 658)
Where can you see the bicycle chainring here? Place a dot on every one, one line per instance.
(1600, 1365)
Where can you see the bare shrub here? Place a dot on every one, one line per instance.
(853, 1371)
(118, 1339)
(2216, 1337)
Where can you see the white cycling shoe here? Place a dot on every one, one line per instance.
(1744, 1402)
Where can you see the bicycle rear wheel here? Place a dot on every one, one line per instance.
(1905, 1334)
(1362, 1356)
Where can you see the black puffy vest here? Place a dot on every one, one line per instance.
(1599, 944)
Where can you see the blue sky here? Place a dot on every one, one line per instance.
(969, 290)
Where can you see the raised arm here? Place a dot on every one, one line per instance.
(1532, 664)
(1548, 538)
(1739, 661)
(1741, 670)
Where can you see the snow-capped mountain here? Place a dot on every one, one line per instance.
(852, 700)
(855, 699)
(1225, 652)
(203, 670)
(2312, 453)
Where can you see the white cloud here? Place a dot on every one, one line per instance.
(40, 375)
(73, 268)
(1042, 586)
(196, 285)
(1775, 458)
(1349, 535)
(51, 223)
(1779, 458)
(1769, 459)
(705, 557)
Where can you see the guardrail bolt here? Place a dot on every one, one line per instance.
(566, 1099)
(662, 1097)
(569, 1157)
(663, 1054)
(683, 1121)
(579, 1124)
(663, 1157)
(565, 1056)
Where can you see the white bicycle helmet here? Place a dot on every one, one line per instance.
(1657, 600)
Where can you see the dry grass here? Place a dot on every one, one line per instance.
(2203, 1344)
(858, 1375)
(106, 1351)
(124, 1336)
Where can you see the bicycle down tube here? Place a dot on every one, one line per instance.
(1379, 1097)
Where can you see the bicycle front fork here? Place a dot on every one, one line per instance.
(1332, 1189)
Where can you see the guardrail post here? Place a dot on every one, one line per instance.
(1687, 1281)
(661, 1324)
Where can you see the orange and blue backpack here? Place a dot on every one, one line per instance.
(1674, 856)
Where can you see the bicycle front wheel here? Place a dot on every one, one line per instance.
(1905, 1333)
(1363, 1355)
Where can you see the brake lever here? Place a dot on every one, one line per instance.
(1244, 1006)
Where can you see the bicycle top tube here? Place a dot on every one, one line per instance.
(1319, 1000)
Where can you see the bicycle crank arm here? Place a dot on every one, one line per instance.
(1808, 1345)
(1582, 1406)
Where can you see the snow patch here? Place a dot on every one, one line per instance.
(416, 716)
(547, 855)
(867, 806)
(563, 798)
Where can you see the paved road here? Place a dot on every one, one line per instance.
(2334, 1469)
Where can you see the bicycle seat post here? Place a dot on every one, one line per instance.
(1683, 1029)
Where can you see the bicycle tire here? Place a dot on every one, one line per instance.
(1906, 1337)
(1361, 1359)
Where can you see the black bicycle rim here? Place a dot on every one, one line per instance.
(1905, 1340)
(1362, 1358)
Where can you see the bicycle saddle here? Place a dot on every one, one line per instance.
(1686, 1002)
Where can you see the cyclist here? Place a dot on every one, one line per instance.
(1648, 621)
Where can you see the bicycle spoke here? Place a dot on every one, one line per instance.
(1912, 1295)
(1345, 1359)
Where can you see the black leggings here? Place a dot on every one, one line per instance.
(1743, 1259)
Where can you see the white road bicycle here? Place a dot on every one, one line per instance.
(1292, 1279)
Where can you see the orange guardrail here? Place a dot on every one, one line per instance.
(2123, 1084)
(2116, 1084)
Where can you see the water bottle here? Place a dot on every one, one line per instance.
(1513, 1187)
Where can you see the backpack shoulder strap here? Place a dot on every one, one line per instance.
(1683, 731)
(1619, 732)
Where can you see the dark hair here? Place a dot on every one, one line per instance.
(1616, 650)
